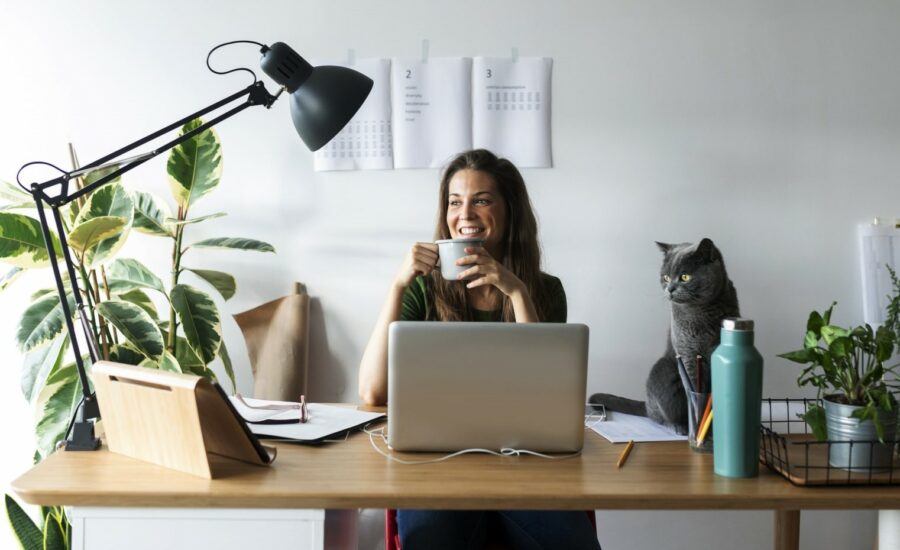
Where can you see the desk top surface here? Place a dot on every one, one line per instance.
(351, 474)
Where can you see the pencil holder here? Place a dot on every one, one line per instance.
(697, 407)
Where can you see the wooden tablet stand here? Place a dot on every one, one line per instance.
(173, 420)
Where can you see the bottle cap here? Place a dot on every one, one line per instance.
(737, 324)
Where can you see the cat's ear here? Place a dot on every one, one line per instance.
(664, 247)
(707, 250)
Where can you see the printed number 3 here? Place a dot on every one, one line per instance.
(489, 73)
(408, 73)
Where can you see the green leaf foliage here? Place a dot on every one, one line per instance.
(167, 362)
(815, 417)
(222, 282)
(126, 353)
(27, 533)
(9, 277)
(199, 320)
(847, 365)
(54, 534)
(11, 193)
(235, 243)
(42, 321)
(151, 215)
(229, 368)
(139, 298)
(197, 220)
(124, 274)
(111, 200)
(195, 166)
(135, 325)
(22, 242)
(57, 404)
(91, 233)
(39, 363)
(188, 358)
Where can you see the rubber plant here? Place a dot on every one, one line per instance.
(185, 337)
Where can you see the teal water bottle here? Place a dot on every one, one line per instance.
(737, 370)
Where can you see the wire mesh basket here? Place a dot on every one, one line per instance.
(788, 448)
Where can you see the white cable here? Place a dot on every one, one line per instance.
(505, 452)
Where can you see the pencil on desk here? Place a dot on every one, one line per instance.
(624, 456)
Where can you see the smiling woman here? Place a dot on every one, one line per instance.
(481, 198)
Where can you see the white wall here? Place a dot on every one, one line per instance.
(769, 126)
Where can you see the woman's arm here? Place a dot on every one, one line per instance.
(373, 367)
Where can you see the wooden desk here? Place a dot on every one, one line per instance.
(657, 476)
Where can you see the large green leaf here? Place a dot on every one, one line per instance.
(27, 532)
(139, 298)
(22, 243)
(54, 537)
(125, 353)
(168, 362)
(199, 320)
(229, 368)
(223, 282)
(151, 215)
(135, 325)
(90, 234)
(197, 220)
(110, 200)
(9, 277)
(187, 357)
(235, 243)
(42, 321)
(38, 364)
(57, 403)
(195, 166)
(124, 274)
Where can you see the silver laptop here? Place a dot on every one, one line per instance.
(454, 386)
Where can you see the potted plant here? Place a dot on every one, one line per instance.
(858, 390)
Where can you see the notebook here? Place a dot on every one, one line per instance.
(454, 386)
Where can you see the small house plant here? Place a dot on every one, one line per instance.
(856, 387)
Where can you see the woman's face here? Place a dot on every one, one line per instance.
(475, 209)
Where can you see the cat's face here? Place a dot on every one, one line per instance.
(691, 274)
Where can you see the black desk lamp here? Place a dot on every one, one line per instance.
(323, 100)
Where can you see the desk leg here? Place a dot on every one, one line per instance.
(787, 529)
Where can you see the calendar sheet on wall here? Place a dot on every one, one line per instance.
(511, 108)
(432, 110)
(366, 143)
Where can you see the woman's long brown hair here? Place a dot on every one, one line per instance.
(521, 250)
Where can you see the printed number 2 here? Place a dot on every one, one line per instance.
(408, 73)
(489, 73)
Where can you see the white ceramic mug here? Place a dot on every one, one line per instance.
(451, 250)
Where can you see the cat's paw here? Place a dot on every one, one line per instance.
(679, 429)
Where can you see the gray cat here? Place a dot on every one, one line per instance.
(696, 284)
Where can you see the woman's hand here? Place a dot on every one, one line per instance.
(488, 271)
(420, 260)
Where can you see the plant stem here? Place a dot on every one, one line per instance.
(176, 271)
(90, 298)
(115, 333)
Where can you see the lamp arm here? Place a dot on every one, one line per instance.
(256, 95)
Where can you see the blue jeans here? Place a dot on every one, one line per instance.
(521, 529)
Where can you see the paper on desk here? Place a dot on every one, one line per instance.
(324, 420)
(621, 428)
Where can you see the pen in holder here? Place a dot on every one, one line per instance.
(699, 432)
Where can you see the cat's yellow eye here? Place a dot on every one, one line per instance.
(666, 278)
(685, 277)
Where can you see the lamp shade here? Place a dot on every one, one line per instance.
(323, 99)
